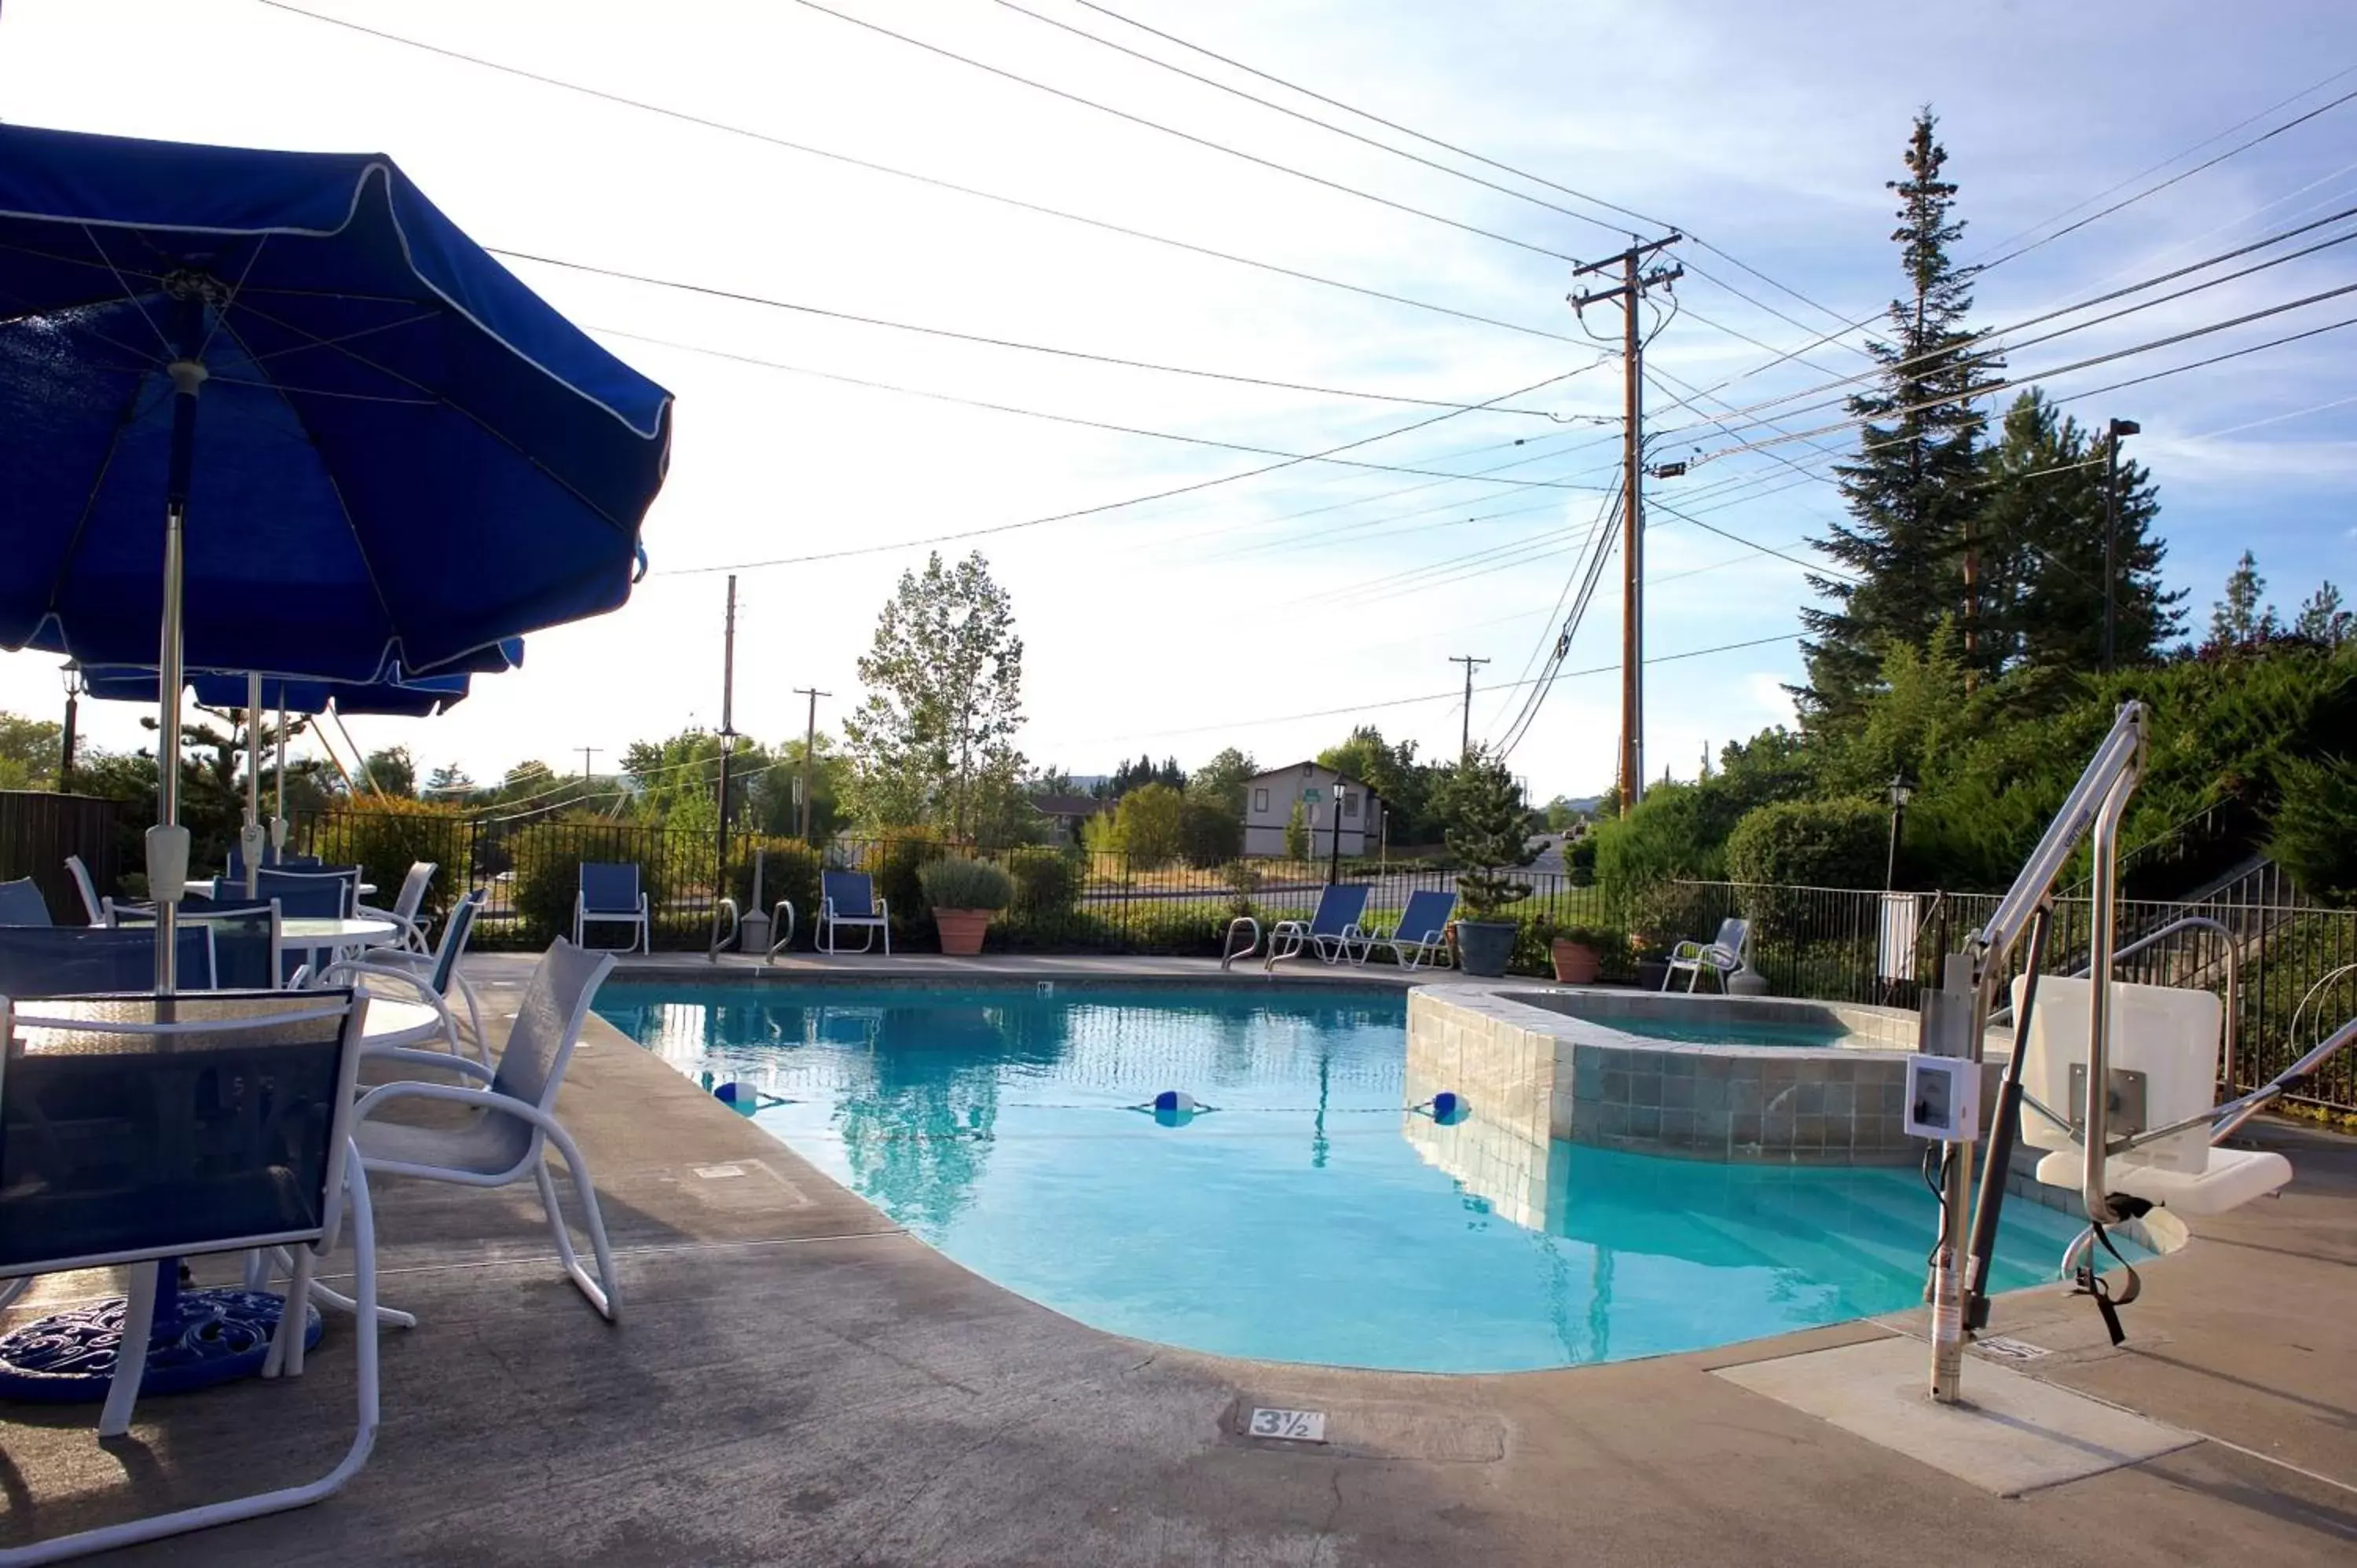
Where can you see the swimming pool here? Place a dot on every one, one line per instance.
(1818, 1037)
(1303, 1214)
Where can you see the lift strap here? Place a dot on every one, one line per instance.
(2089, 1282)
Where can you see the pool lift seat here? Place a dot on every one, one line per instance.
(2162, 1068)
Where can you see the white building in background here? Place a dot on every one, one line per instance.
(1268, 805)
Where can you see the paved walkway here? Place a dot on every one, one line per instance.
(795, 1380)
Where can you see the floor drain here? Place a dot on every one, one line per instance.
(1291, 1426)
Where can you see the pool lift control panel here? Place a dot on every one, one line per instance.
(1943, 1099)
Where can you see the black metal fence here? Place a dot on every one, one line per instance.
(38, 830)
(2298, 964)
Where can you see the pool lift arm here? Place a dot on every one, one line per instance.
(1956, 1016)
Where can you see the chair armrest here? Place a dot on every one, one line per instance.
(355, 969)
(1685, 952)
(443, 1060)
(449, 1093)
(883, 908)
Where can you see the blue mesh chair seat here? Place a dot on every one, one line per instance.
(21, 904)
(1332, 932)
(611, 895)
(431, 978)
(138, 1129)
(246, 954)
(1422, 935)
(300, 895)
(92, 960)
(848, 898)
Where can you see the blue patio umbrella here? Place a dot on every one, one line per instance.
(273, 412)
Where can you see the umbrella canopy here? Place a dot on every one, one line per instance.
(397, 452)
(279, 409)
(422, 698)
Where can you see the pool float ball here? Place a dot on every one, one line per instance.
(1174, 1108)
(1449, 1108)
(741, 1098)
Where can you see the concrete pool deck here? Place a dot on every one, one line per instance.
(796, 1380)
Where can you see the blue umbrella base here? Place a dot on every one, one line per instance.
(210, 1337)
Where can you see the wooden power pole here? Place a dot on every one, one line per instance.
(1465, 745)
(810, 755)
(1631, 291)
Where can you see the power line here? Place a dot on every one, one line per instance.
(1433, 141)
(726, 128)
(1093, 510)
(1092, 423)
(1189, 136)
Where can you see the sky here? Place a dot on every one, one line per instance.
(1272, 612)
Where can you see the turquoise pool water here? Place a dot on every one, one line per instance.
(1305, 1216)
(1763, 1034)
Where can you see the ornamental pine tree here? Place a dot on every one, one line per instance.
(1909, 545)
(1487, 831)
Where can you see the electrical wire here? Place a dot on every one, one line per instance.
(871, 165)
(1089, 424)
(1189, 136)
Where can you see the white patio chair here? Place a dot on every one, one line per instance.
(405, 905)
(93, 904)
(609, 895)
(1722, 955)
(433, 978)
(515, 1119)
(848, 898)
(288, 1061)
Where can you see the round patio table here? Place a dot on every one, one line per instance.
(322, 935)
(392, 1024)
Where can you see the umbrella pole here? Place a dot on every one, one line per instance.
(249, 838)
(168, 841)
(278, 811)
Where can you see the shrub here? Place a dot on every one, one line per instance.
(1674, 833)
(894, 863)
(1804, 844)
(2314, 832)
(790, 870)
(1296, 834)
(393, 834)
(1146, 825)
(1047, 881)
(1209, 834)
(955, 883)
(548, 857)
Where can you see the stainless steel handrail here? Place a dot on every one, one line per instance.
(1229, 951)
(712, 950)
(781, 921)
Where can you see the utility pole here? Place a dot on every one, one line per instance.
(2119, 427)
(587, 753)
(1465, 745)
(728, 743)
(1630, 291)
(809, 755)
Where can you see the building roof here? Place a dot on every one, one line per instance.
(1295, 768)
(1068, 805)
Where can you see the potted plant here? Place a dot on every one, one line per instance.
(1578, 954)
(964, 893)
(1486, 829)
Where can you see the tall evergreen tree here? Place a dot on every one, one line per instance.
(2236, 620)
(1912, 490)
(2040, 535)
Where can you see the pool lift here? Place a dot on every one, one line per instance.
(2151, 1140)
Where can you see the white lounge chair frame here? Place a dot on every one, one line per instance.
(405, 905)
(639, 919)
(1289, 938)
(1410, 950)
(93, 904)
(877, 919)
(1720, 955)
(539, 1047)
(347, 1181)
(414, 974)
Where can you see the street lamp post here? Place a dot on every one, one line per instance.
(2119, 427)
(1900, 793)
(1334, 863)
(73, 676)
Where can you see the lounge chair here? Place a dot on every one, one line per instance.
(247, 954)
(300, 895)
(431, 978)
(1422, 935)
(1722, 955)
(405, 905)
(1332, 932)
(113, 1194)
(848, 898)
(21, 904)
(84, 960)
(610, 894)
(93, 904)
(514, 1111)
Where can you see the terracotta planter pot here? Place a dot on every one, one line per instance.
(1576, 964)
(962, 930)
